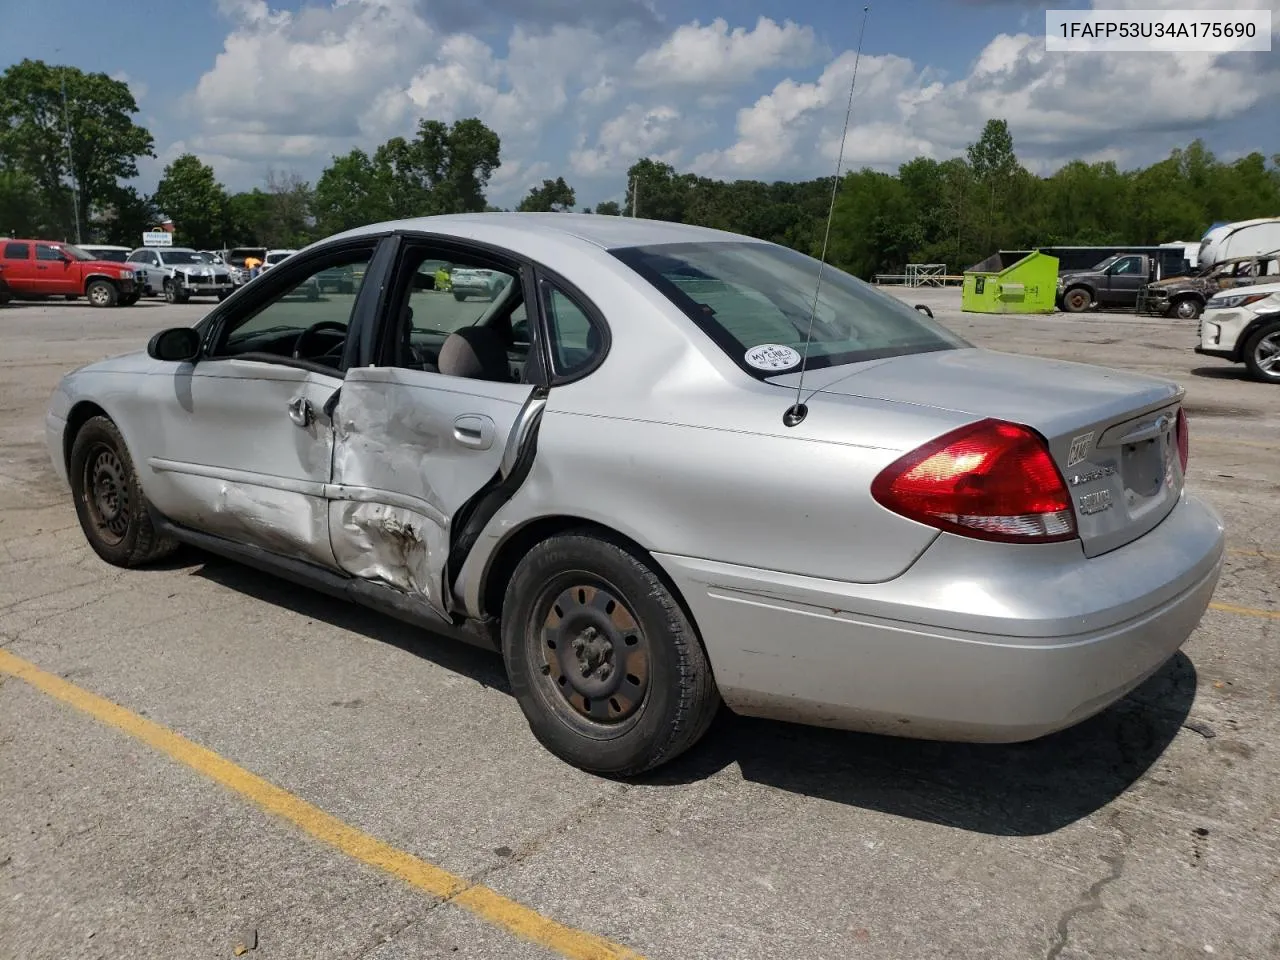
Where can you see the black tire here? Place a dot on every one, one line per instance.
(102, 293)
(1185, 308)
(223, 296)
(130, 300)
(659, 707)
(459, 297)
(170, 292)
(109, 502)
(1253, 363)
(1077, 300)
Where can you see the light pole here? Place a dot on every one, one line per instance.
(66, 129)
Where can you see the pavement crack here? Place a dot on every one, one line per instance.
(1091, 900)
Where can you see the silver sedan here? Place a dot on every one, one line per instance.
(612, 475)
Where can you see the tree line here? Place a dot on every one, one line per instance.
(954, 211)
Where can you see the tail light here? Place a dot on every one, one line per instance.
(1183, 434)
(992, 480)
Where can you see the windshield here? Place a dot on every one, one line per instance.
(1105, 262)
(747, 295)
(180, 256)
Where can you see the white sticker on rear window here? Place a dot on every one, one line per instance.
(772, 356)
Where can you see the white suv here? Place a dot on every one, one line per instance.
(1243, 325)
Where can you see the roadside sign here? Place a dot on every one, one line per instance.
(157, 238)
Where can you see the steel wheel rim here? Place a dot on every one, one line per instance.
(594, 656)
(1076, 300)
(98, 295)
(1186, 310)
(106, 494)
(1267, 354)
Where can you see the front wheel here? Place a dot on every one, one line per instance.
(102, 294)
(1262, 354)
(108, 499)
(1188, 308)
(606, 666)
(1076, 300)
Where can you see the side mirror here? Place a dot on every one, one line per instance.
(176, 345)
(925, 310)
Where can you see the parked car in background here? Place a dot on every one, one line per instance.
(475, 282)
(274, 257)
(604, 474)
(105, 251)
(46, 268)
(180, 273)
(235, 259)
(1185, 297)
(341, 279)
(1243, 326)
(1113, 282)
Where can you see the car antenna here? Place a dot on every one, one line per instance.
(796, 413)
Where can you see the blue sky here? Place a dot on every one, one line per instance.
(583, 88)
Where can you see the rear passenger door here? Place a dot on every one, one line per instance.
(425, 433)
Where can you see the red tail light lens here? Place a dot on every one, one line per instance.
(1183, 434)
(992, 480)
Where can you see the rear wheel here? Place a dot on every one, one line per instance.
(1076, 300)
(102, 294)
(109, 502)
(1262, 354)
(605, 665)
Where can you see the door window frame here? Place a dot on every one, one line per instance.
(534, 279)
(268, 288)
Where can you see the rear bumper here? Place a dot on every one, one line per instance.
(981, 642)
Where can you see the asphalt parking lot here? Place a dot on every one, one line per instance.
(1152, 830)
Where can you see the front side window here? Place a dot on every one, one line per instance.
(1127, 265)
(46, 251)
(304, 321)
(755, 301)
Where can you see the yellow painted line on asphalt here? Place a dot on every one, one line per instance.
(1245, 611)
(485, 903)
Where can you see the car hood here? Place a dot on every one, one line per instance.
(1053, 396)
(1169, 283)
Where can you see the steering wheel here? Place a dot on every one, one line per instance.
(312, 330)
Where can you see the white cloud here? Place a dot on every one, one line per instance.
(696, 55)
(638, 131)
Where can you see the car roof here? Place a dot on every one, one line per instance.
(167, 249)
(601, 230)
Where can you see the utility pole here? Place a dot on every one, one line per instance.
(635, 195)
(66, 124)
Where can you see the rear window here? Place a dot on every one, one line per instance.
(755, 301)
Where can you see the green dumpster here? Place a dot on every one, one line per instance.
(1029, 285)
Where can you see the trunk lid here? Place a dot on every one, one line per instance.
(1111, 433)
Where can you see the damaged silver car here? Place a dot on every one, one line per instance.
(614, 475)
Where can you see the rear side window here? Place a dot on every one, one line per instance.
(576, 341)
(755, 301)
(17, 251)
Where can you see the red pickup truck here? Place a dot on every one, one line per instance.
(46, 268)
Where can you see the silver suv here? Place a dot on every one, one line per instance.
(180, 273)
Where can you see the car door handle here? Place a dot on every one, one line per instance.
(300, 411)
(474, 430)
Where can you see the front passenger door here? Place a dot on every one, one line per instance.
(245, 446)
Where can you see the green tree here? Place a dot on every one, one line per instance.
(656, 192)
(554, 196)
(21, 212)
(352, 191)
(189, 193)
(609, 208)
(105, 143)
(444, 169)
(124, 217)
